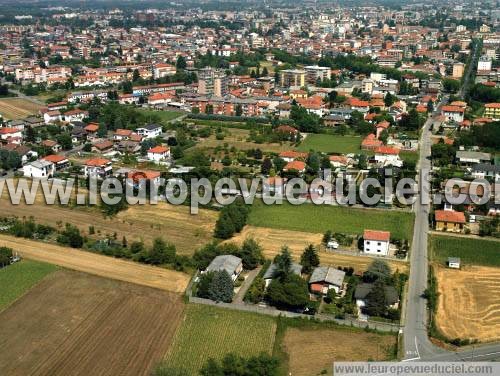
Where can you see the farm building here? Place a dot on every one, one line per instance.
(454, 262)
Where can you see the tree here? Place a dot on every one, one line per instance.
(327, 236)
(279, 164)
(251, 254)
(71, 236)
(64, 139)
(221, 287)
(309, 259)
(376, 300)
(266, 166)
(203, 286)
(283, 262)
(136, 75)
(181, 62)
(224, 227)
(235, 365)
(5, 256)
(291, 293)
(378, 270)
(389, 100)
(161, 253)
(238, 110)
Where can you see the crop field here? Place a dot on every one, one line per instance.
(311, 351)
(472, 251)
(18, 278)
(139, 222)
(78, 324)
(99, 265)
(320, 218)
(328, 143)
(17, 108)
(468, 305)
(210, 332)
(272, 240)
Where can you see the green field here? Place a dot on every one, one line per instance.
(471, 251)
(18, 278)
(210, 332)
(320, 218)
(409, 156)
(328, 143)
(164, 116)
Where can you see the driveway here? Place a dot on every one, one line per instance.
(238, 299)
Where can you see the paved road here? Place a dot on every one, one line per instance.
(468, 73)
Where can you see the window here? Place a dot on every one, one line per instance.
(379, 243)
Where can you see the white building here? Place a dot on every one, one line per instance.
(159, 154)
(484, 63)
(376, 242)
(39, 169)
(149, 131)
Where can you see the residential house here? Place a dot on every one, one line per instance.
(492, 111)
(371, 142)
(448, 220)
(269, 274)
(486, 170)
(39, 169)
(231, 264)
(140, 177)
(52, 116)
(299, 166)
(453, 113)
(122, 134)
(362, 292)
(74, 115)
(159, 154)
(11, 135)
(388, 156)
(376, 242)
(98, 167)
(54, 146)
(149, 130)
(324, 278)
(289, 156)
(102, 147)
(470, 158)
(60, 162)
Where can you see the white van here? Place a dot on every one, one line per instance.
(332, 244)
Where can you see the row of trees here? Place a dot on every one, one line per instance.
(232, 219)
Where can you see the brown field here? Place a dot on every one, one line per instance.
(17, 108)
(139, 222)
(78, 324)
(100, 265)
(313, 350)
(273, 239)
(469, 305)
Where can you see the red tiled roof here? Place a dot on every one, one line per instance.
(158, 150)
(96, 162)
(452, 109)
(387, 150)
(381, 236)
(295, 165)
(55, 158)
(492, 105)
(293, 154)
(450, 216)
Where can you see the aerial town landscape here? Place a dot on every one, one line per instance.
(266, 187)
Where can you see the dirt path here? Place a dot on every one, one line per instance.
(96, 264)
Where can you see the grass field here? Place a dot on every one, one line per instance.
(73, 323)
(311, 350)
(273, 239)
(17, 108)
(93, 263)
(18, 278)
(210, 332)
(468, 305)
(165, 116)
(139, 222)
(409, 156)
(327, 143)
(320, 218)
(472, 251)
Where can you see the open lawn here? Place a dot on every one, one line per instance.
(165, 116)
(472, 251)
(320, 218)
(312, 349)
(73, 323)
(18, 278)
(328, 143)
(97, 264)
(139, 222)
(210, 332)
(409, 156)
(237, 137)
(17, 108)
(273, 239)
(468, 304)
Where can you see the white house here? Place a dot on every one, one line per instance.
(388, 156)
(231, 264)
(453, 113)
(8, 133)
(376, 242)
(39, 169)
(149, 131)
(159, 153)
(74, 115)
(98, 167)
(52, 116)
